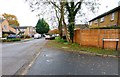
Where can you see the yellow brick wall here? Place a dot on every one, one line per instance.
(119, 19)
(108, 22)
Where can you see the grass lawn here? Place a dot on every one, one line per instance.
(73, 47)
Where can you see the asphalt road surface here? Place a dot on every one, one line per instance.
(57, 62)
(15, 55)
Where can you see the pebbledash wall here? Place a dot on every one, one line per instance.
(93, 37)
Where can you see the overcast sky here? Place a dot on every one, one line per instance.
(28, 18)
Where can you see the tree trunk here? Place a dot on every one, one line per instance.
(62, 16)
(71, 20)
(60, 28)
(66, 32)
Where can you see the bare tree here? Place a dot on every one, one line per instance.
(61, 8)
(73, 9)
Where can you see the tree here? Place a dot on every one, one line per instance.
(42, 26)
(73, 8)
(60, 13)
(12, 19)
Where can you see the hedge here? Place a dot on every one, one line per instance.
(11, 40)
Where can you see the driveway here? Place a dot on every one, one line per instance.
(57, 62)
(15, 55)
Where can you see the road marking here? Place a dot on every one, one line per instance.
(24, 72)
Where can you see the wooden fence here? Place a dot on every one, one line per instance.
(94, 37)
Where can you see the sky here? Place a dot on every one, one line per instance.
(27, 18)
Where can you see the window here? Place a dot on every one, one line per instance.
(90, 23)
(5, 27)
(102, 19)
(96, 21)
(112, 16)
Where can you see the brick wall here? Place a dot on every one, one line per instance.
(93, 37)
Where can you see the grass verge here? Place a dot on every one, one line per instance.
(73, 47)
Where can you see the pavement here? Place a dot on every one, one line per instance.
(57, 62)
(16, 55)
(34, 58)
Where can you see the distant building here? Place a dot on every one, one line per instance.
(77, 26)
(110, 18)
(5, 28)
(81, 26)
(27, 30)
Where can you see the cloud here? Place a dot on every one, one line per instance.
(20, 9)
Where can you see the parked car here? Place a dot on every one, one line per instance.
(49, 37)
(37, 36)
(13, 36)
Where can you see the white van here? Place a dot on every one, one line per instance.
(37, 36)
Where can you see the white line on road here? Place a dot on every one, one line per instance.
(24, 72)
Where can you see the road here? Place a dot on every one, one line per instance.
(57, 62)
(15, 55)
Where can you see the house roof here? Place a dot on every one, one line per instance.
(15, 27)
(23, 27)
(106, 13)
(81, 26)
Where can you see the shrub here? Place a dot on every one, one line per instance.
(5, 35)
(59, 39)
(11, 40)
(27, 36)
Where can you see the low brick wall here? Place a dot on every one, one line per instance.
(93, 37)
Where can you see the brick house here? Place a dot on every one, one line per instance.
(27, 30)
(5, 28)
(110, 18)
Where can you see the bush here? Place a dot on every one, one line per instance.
(11, 40)
(5, 35)
(59, 39)
(27, 36)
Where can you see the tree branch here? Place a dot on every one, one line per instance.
(57, 14)
(67, 6)
(79, 7)
(54, 4)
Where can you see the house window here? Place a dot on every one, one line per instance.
(90, 23)
(102, 19)
(96, 21)
(5, 27)
(113, 16)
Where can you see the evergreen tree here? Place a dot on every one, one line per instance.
(42, 26)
